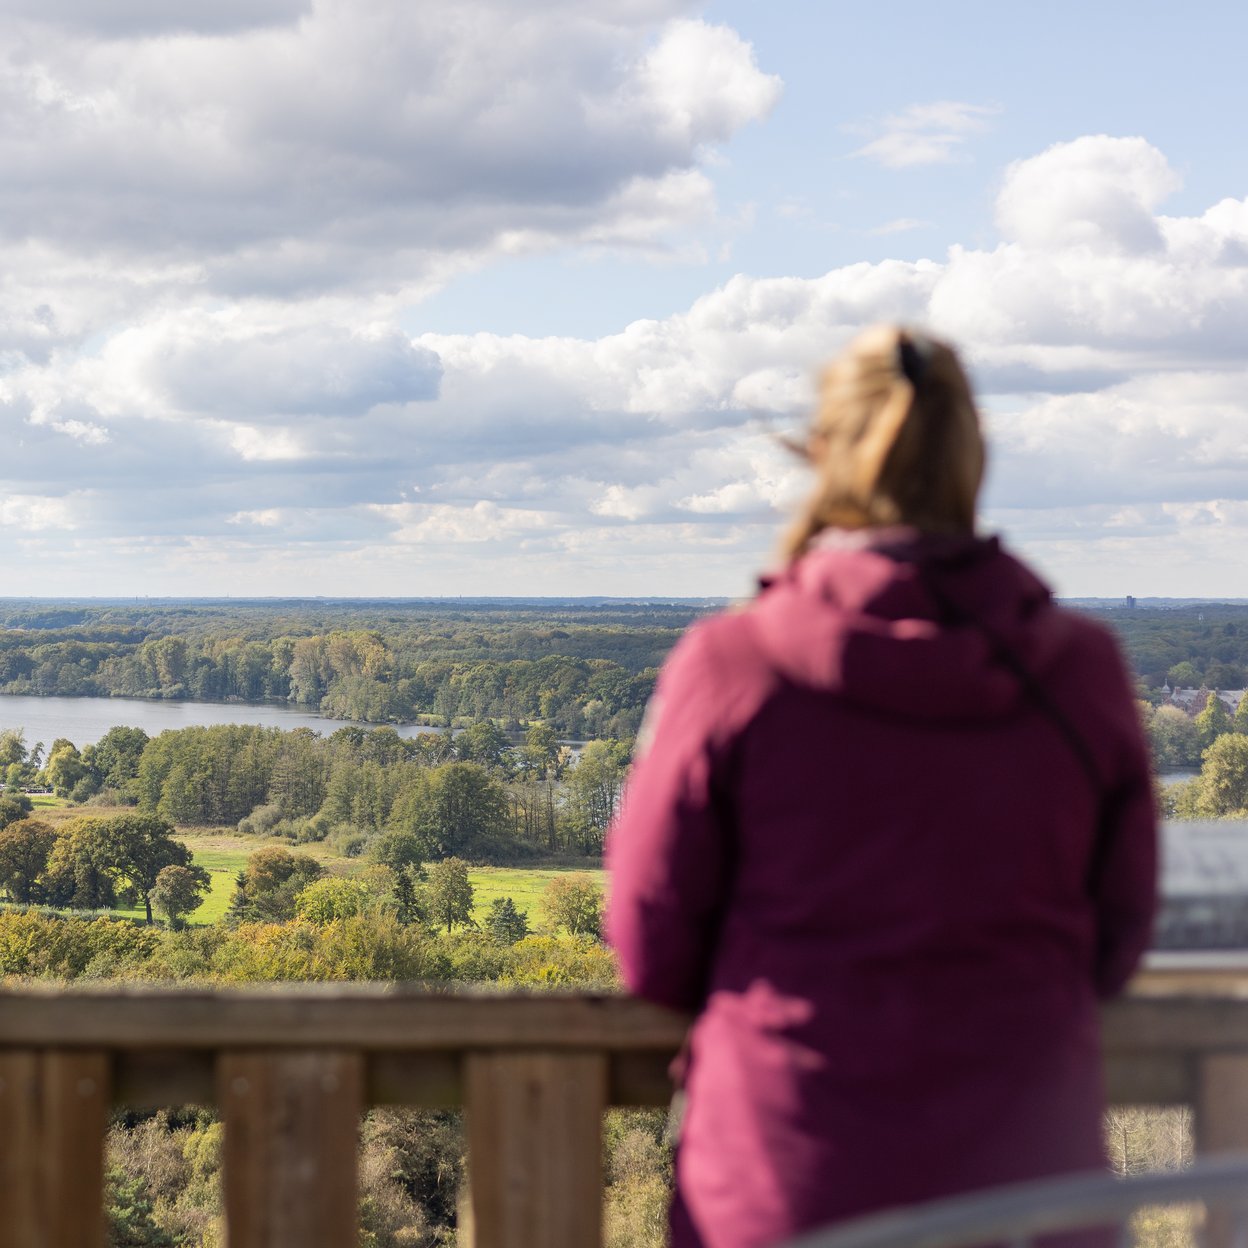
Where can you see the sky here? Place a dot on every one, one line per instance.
(322, 297)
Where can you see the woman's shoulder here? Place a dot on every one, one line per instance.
(717, 671)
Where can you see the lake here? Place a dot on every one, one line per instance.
(85, 720)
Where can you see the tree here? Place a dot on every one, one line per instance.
(266, 889)
(114, 759)
(1213, 722)
(574, 902)
(24, 850)
(1185, 675)
(594, 787)
(139, 847)
(448, 892)
(80, 868)
(1175, 739)
(539, 755)
(398, 849)
(325, 900)
(458, 808)
(482, 742)
(1224, 777)
(505, 923)
(1241, 715)
(408, 903)
(14, 806)
(64, 767)
(179, 890)
(12, 747)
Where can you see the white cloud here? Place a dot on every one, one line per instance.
(1096, 191)
(924, 134)
(156, 155)
(33, 513)
(1106, 338)
(902, 225)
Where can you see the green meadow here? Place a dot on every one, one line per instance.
(224, 855)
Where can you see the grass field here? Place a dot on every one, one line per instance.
(224, 854)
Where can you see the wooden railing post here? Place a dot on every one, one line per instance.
(535, 1148)
(292, 1124)
(1221, 1113)
(53, 1111)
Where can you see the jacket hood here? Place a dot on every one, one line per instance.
(908, 623)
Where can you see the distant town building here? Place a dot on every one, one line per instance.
(1193, 700)
(1130, 601)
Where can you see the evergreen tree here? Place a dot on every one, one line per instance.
(505, 923)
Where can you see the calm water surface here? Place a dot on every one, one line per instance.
(85, 720)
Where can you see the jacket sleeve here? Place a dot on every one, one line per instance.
(666, 851)
(1124, 871)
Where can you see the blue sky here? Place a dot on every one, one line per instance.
(303, 296)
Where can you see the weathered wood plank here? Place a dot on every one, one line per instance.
(156, 1079)
(74, 1099)
(292, 1123)
(333, 1017)
(1150, 1079)
(1221, 1112)
(535, 1149)
(19, 1150)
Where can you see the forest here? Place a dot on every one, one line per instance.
(586, 669)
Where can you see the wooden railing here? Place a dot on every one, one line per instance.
(291, 1070)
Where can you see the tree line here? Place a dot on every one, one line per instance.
(472, 794)
(587, 675)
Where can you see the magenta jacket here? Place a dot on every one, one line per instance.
(886, 881)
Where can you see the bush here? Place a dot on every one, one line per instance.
(261, 821)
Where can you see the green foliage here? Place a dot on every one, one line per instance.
(327, 900)
(1174, 738)
(452, 810)
(594, 787)
(179, 890)
(269, 885)
(14, 806)
(1224, 778)
(1213, 721)
(587, 670)
(448, 893)
(24, 850)
(574, 903)
(129, 1213)
(80, 871)
(138, 848)
(505, 923)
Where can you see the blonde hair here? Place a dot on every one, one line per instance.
(895, 439)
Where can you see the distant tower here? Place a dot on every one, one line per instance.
(1130, 601)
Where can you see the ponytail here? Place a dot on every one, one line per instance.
(895, 440)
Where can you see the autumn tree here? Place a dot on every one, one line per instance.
(266, 889)
(574, 902)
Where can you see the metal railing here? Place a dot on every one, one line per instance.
(1022, 1212)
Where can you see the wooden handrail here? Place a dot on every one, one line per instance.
(292, 1067)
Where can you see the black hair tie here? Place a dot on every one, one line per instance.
(912, 360)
